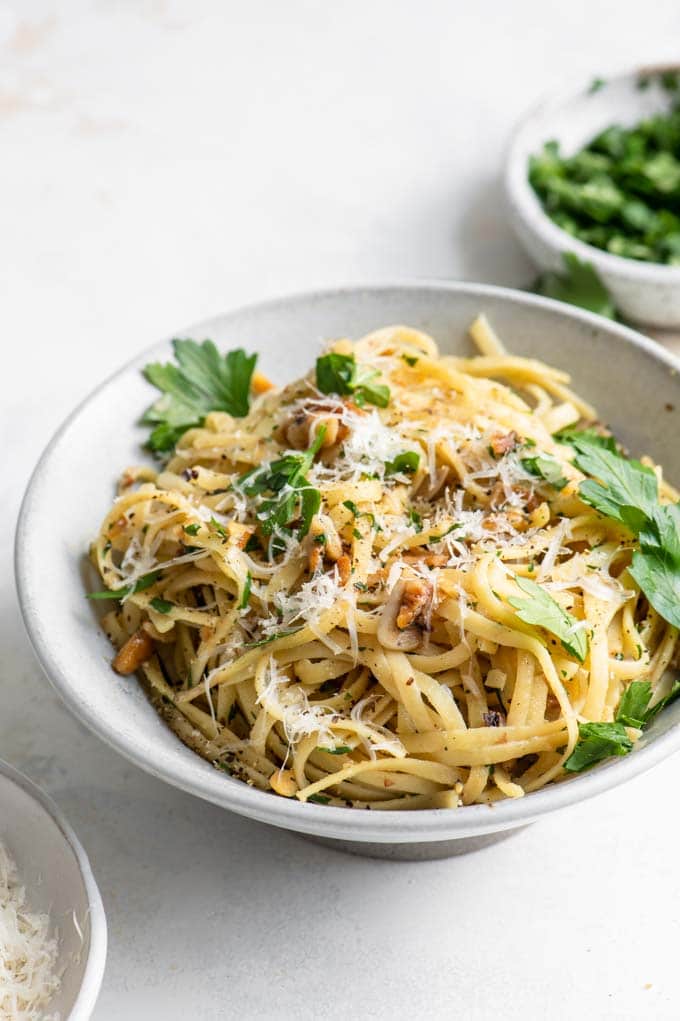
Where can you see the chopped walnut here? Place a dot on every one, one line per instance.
(503, 443)
(429, 559)
(416, 595)
(344, 565)
(323, 542)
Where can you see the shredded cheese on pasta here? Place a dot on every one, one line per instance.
(376, 661)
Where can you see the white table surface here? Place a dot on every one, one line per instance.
(160, 162)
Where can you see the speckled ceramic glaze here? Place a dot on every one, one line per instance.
(629, 378)
(54, 868)
(644, 292)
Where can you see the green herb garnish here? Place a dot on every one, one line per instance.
(621, 192)
(146, 581)
(600, 741)
(541, 609)
(578, 285)
(547, 468)
(406, 463)
(273, 638)
(415, 519)
(161, 605)
(597, 741)
(201, 382)
(192, 529)
(245, 595)
(628, 492)
(340, 374)
(285, 490)
(220, 529)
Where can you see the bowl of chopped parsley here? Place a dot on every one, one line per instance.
(594, 172)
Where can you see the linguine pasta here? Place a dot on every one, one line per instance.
(361, 635)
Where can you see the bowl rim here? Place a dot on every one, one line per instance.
(96, 955)
(428, 825)
(525, 204)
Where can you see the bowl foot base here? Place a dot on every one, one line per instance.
(430, 851)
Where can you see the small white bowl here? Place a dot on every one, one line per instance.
(644, 292)
(79, 468)
(55, 870)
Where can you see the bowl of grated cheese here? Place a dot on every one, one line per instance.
(52, 922)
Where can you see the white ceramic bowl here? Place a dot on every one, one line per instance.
(644, 292)
(56, 873)
(627, 376)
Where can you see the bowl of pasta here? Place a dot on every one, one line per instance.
(401, 588)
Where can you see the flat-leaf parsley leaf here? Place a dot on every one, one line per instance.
(201, 382)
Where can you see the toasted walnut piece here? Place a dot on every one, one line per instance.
(331, 545)
(429, 559)
(503, 443)
(390, 635)
(499, 522)
(344, 565)
(240, 533)
(283, 782)
(260, 384)
(415, 596)
(137, 649)
(315, 558)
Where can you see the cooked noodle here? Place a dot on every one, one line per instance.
(376, 661)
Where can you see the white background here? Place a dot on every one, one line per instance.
(160, 162)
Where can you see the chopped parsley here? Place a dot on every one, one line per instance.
(619, 192)
(146, 581)
(218, 528)
(546, 468)
(161, 605)
(245, 595)
(340, 374)
(541, 609)
(415, 520)
(599, 741)
(273, 638)
(628, 492)
(406, 463)
(202, 381)
(579, 285)
(286, 493)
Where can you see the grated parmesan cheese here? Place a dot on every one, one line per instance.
(369, 445)
(28, 954)
(289, 702)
